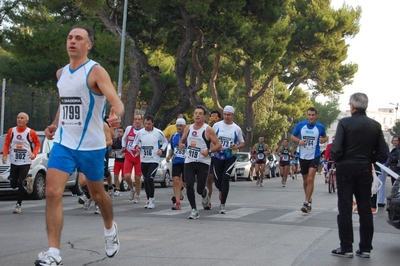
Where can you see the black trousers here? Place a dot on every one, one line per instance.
(149, 170)
(193, 171)
(222, 170)
(357, 182)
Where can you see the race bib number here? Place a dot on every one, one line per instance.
(20, 156)
(310, 142)
(285, 157)
(225, 142)
(147, 151)
(71, 112)
(118, 154)
(260, 156)
(194, 152)
(179, 153)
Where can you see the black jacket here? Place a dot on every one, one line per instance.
(358, 142)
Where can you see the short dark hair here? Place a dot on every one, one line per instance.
(123, 129)
(312, 109)
(89, 31)
(202, 108)
(216, 112)
(149, 117)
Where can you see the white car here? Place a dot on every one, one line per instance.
(242, 167)
(37, 171)
(272, 166)
(163, 174)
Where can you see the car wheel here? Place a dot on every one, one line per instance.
(123, 186)
(167, 180)
(39, 187)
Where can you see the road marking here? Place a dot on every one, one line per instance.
(237, 213)
(294, 217)
(170, 212)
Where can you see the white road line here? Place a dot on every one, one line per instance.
(237, 213)
(294, 217)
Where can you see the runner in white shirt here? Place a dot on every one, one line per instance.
(231, 137)
(150, 142)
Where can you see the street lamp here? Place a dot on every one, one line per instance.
(396, 108)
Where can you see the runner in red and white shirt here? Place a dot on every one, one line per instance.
(132, 158)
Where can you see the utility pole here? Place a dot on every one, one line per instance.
(396, 108)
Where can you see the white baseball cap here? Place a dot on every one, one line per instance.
(229, 109)
(180, 121)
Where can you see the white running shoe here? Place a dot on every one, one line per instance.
(17, 209)
(137, 199)
(261, 184)
(86, 204)
(82, 199)
(151, 204)
(258, 181)
(117, 193)
(111, 192)
(222, 209)
(96, 209)
(112, 243)
(194, 214)
(48, 259)
(131, 194)
(147, 204)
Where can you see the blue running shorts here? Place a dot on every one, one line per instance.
(90, 163)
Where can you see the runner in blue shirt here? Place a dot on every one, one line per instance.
(309, 134)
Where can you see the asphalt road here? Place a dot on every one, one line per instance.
(263, 226)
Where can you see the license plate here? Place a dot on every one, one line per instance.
(239, 172)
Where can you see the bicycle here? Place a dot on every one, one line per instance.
(332, 178)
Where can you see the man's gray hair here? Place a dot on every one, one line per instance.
(359, 100)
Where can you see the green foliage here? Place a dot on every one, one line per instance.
(327, 112)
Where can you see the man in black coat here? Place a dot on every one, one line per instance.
(358, 144)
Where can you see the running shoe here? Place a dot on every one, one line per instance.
(151, 204)
(111, 192)
(131, 195)
(96, 209)
(261, 184)
(176, 207)
(258, 181)
(82, 199)
(147, 204)
(209, 206)
(306, 207)
(374, 210)
(117, 193)
(363, 254)
(17, 209)
(86, 204)
(48, 259)
(194, 214)
(112, 243)
(205, 198)
(284, 184)
(222, 209)
(137, 199)
(338, 252)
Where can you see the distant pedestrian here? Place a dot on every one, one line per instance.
(358, 144)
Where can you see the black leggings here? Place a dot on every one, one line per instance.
(17, 175)
(222, 170)
(149, 171)
(191, 171)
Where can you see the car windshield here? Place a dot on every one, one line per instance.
(242, 157)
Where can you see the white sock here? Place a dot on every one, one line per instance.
(54, 251)
(109, 232)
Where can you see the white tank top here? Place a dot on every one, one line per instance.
(20, 147)
(195, 142)
(80, 125)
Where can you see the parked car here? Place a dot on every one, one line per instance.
(242, 167)
(393, 205)
(272, 166)
(163, 174)
(37, 172)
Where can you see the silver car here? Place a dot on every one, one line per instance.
(37, 172)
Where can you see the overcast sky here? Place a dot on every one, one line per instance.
(376, 51)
